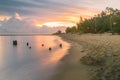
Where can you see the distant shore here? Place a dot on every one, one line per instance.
(23, 34)
(91, 57)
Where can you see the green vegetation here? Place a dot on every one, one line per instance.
(107, 21)
(58, 32)
(71, 30)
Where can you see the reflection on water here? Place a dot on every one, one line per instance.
(37, 63)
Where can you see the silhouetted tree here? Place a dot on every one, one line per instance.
(107, 20)
(71, 29)
(58, 32)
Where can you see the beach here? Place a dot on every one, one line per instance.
(91, 57)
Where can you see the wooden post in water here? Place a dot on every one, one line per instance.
(15, 42)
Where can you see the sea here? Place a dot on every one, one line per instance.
(38, 60)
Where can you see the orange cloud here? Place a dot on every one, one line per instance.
(2, 18)
(17, 16)
(70, 17)
(54, 24)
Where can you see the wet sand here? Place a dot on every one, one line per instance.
(91, 57)
(70, 66)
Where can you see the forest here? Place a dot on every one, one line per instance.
(106, 21)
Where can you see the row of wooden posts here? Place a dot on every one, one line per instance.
(15, 44)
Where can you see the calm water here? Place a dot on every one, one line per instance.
(37, 63)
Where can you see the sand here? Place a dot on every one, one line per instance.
(91, 57)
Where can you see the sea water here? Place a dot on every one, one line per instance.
(21, 62)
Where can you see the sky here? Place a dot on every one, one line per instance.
(47, 16)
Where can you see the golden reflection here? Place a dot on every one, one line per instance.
(53, 56)
(48, 41)
(58, 54)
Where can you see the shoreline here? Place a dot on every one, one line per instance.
(91, 57)
(70, 66)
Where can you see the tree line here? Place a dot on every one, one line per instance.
(107, 21)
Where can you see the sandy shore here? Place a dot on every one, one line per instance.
(91, 57)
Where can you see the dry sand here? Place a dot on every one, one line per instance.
(91, 57)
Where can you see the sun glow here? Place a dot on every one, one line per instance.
(73, 19)
(67, 20)
(38, 25)
(56, 24)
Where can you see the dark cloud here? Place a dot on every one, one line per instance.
(40, 6)
(30, 7)
(12, 6)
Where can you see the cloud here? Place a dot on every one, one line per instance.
(47, 30)
(42, 7)
(50, 7)
(16, 24)
(44, 11)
